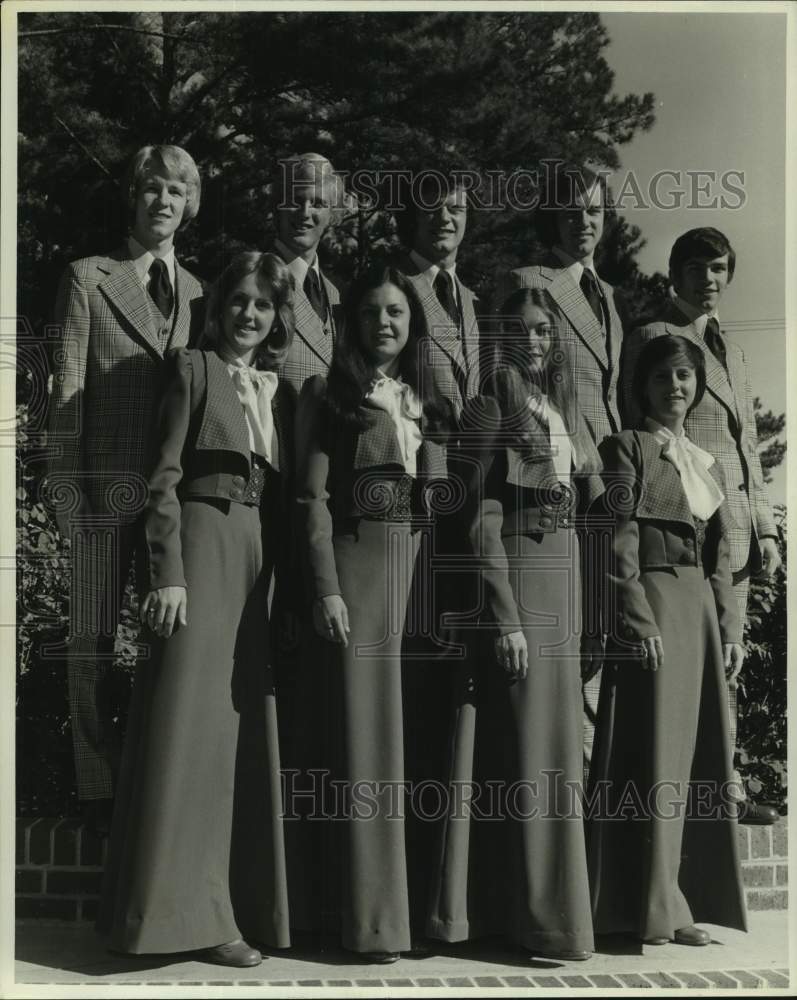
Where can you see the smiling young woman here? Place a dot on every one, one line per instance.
(675, 637)
(368, 441)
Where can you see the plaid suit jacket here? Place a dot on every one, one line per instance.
(723, 424)
(595, 372)
(311, 351)
(109, 377)
(451, 356)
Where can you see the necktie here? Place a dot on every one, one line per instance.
(444, 289)
(160, 288)
(714, 342)
(589, 286)
(312, 289)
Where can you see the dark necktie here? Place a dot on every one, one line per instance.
(714, 341)
(312, 289)
(160, 288)
(444, 289)
(589, 286)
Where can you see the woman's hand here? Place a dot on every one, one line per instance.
(734, 658)
(591, 656)
(331, 618)
(652, 653)
(512, 654)
(161, 608)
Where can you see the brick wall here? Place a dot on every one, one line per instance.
(59, 868)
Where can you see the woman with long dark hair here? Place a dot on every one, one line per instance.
(662, 843)
(196, 858)
(513, 861)
(369, 438)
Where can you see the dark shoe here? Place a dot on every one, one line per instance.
(755, 813)
(563, 956)
(691, 935)
(235, 953)
(656, 940)
(97, 815)
(419, 948)
(381, 957)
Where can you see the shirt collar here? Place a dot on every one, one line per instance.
(298, 266)
(143, 258)
(575, 268)
(429, 270)
(660, 432)
(696, 317)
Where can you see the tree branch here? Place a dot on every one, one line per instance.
(77, 142)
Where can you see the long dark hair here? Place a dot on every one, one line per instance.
(668, 347)
(352, 372)
(514, 379)
(269, 269)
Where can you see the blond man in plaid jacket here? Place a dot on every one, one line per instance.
(119, 314)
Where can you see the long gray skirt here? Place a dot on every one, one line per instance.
(196, 856)
(662, 838)
(348, 871)
(512, 861)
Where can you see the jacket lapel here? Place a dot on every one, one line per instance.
(223, 425)
(441, 330)
(717, 380)
(470, 328)
(570, 299)
(662, 496)
(181, 328)
(310, 328)
(126, 294)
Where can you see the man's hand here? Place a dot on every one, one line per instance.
(652, 653)
(770, 557)
(734, 658)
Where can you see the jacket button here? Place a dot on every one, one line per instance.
(545, 522)
(564, 522)
(742, 487)
(238, 482)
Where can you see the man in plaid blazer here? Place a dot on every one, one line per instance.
(431, 224)
(702, 263)
(569, 221)
(120, 314)
(307, 194)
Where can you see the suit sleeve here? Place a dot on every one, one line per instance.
(483, 510)
(725, 599)
(762, 511)
(314, 521)
(625, 603)
(631, 349)
(66, 417)
(162, 516)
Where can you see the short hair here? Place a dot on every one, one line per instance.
(306, 168)
(668, 347)
(417, 193)
(704, 242)
(558, 193)
(172, 160)
(269, 269)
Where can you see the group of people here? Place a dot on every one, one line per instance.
(407, 576)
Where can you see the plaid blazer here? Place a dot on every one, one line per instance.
(595, 373)
(723, 424)
(109, 377)
(653, 528)
(311, 351)
(451, 356)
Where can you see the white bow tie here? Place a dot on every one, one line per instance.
(404, 408)
(256, 390)
(692, 463)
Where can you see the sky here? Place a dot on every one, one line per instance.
(720, 87)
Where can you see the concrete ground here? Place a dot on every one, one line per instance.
(71, 954)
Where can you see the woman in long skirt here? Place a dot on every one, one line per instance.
(662, 849)
(364, 454)
(512, 860)
(196, 857)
